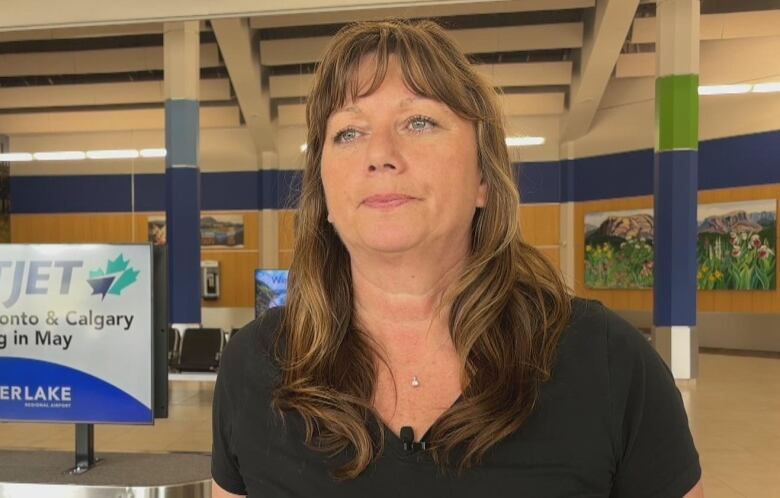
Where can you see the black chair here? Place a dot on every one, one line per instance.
(173, 347)
(200, 350)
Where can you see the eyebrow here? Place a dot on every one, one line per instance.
(353, 109)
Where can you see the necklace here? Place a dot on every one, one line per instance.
(415, 381)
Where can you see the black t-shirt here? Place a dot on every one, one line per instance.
(610, 423)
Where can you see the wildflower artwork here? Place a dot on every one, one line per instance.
(736, 246)
(619, 249)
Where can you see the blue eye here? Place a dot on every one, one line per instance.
(421, 123)
(346, 135)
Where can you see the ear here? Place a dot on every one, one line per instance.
(482, 194)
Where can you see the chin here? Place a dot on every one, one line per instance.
(390, 242)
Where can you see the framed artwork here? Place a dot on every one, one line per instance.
(216, 230)
(736, 247)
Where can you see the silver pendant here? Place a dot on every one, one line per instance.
(415, 382)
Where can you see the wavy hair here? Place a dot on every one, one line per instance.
(507, 308)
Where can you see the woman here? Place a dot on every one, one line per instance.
(425, 349)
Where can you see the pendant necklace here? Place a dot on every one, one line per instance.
(415, 381)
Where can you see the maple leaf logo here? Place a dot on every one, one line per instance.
(117, 276)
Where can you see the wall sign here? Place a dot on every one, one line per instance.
(76, 333)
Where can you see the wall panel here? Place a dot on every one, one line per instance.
(540, 224)
(71, 228)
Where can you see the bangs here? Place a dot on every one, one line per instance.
(426, 68)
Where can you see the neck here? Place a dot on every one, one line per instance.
(398, 298)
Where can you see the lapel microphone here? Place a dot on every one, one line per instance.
(407, 436)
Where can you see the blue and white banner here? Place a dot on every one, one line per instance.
(76, 333)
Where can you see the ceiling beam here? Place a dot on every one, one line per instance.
(113, 60)
(471, 41)
(718, 26)
(242, 60)
(741, 60)
(417, 11)
(97, 94)
(608, 27)
(127, 120)
(38, 14)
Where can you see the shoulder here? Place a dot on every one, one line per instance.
(600, 343)
(253, 346)
(591, 321)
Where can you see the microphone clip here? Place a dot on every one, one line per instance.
(407, 437)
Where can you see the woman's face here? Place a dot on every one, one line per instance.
(400, 171)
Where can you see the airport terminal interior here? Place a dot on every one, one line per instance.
(84, 102)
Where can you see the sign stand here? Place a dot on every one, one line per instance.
(85, 449)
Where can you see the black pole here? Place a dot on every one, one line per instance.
(85, 448)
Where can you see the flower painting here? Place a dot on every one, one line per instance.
(619, 249)
(736, 246)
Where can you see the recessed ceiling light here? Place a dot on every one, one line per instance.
(113, 154)
(724, 89)
(153, 152)
(16, 156)
(773, 86)
(524, 141)
(65, 155)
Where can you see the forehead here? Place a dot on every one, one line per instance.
(367, 81)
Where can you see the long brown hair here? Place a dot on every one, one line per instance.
(507, 309)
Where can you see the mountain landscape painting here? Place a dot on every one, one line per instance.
(736, 247)
(216, 230)
(619, 249)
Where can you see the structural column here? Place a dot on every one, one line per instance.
(676, 184)
(182, 176)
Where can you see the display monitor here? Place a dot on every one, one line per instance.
(76, 333)
(270, 289)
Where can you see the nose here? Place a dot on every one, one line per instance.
(382, 154)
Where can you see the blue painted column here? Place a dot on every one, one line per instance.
(676, 185)
(182, 176)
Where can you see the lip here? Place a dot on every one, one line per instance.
(384, 201)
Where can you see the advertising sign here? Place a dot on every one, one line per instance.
(76, 333)
(270, 289)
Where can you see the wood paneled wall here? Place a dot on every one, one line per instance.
(540, 226)
(286, 237)
(708, 301)
(73, 228)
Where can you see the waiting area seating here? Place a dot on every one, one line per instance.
(196, 350)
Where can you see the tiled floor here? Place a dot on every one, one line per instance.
(734, 409)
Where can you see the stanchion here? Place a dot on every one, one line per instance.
(85, 449)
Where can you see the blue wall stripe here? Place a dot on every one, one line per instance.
(539, 182)
(627, 174)
(70, 194)
(278, 188)
(150, 192)
(728, 162)
(674, 289)
(740, 161)
(233, 190)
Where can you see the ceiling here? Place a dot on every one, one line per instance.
(551, 58)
